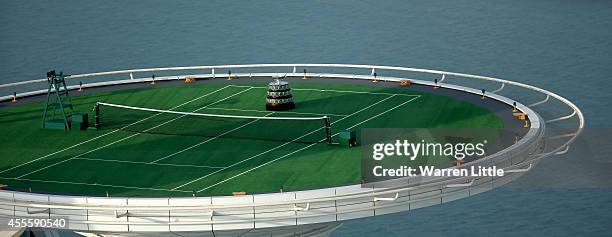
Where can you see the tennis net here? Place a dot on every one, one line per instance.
(271, 126)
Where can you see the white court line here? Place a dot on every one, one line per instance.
(205, 141)
(338, 91)
(149, 163)
(133, 135)
(282, 145)
(386, 111)
(278, 112)
(303, 148)
(95, 184)
(103, 135)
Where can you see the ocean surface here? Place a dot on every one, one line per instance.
(564, 46)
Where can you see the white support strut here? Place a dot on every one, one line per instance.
(377, 199)
(499, 89)
(519, 170)
(562, 118)
(460, 185)
(540, 102)
(561, 136)
(297, 208)
(563, 151)
(47, 210)
(124, 214)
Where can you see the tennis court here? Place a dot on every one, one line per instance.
(145, 153)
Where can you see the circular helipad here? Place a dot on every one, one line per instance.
(199, 151)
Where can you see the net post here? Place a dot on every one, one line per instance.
(97, 109)
(327, 129)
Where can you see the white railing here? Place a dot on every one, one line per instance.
(289, 208)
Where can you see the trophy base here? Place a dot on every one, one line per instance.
(280, 107)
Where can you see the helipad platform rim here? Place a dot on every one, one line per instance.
(282, 209)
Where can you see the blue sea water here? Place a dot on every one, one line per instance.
(561, 45)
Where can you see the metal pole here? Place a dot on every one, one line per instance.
(327, 129)
(97, 109)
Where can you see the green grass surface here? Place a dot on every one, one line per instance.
(125, 163)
